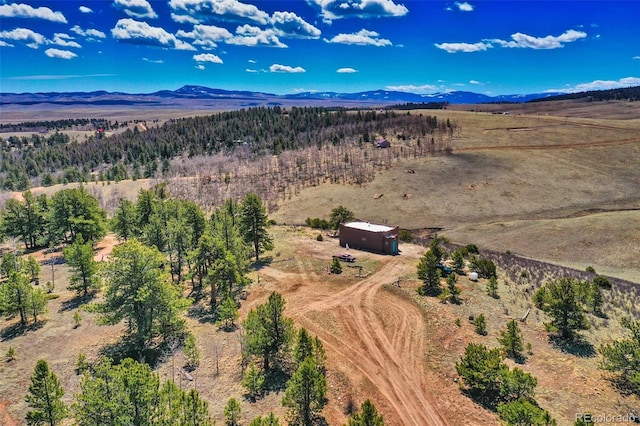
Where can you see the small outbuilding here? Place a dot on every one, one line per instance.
(383, 143)
(369, 236)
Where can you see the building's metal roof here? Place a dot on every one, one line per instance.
(366, 226)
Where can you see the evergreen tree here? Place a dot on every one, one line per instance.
(15, 296)
(623, 356)
(453, 291)
(269, 420)
(125, 220)
(458, 261)
(253, 381)
(138, 290)
(232, 412)
(596, 300)
(512, 341)
(79, 257)
(429, 273)
(227, 313)
(253, 223)
(269, 332)
(367, 416)
(561, 300)
(75, 212)
(480, 323)
(480, 369)
(303, 348)
(45, 397)
(191, 352)
(305, 395)
(524, 412)
(340, 215)
(516, 384)
(25, 220)
(492, 287)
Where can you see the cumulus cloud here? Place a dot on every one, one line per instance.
(463, 6)
(207, 57)
(129, 31)
(25, 35)
(601, 85)
(206, 36)
(85, 9)
(248, 35)
(518, 40)
(337, 9)
(203, 11)
(411, 88)
(136, 8)
(286, 69)
(61, 54)
(15, 10)
(89, 32)
(288, 24)
(5, 44)
(65, 40)
(346, 70)
(200, 67)
(361, 38)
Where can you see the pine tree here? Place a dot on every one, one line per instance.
(367, 416)
(305, 395)
(561, 300)
(452, 289)
(191, 352)
(429, 273)
(124, 221)
(227, 313)
(512, 341)
(79, 257)
(45, 397)
(253, 224)
(253, 381)
(303, 348)
(492, 287)
(480, 323)
(15, 296)
(232, 412)
(458, 261)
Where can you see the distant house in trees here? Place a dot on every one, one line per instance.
(383, 143)
(371, 237)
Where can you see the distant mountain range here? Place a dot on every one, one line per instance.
(207, 97)
(200, 97)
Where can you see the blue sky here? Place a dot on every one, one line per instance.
(492, 47)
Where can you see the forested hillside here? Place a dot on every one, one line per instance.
(621, 94)
(142, 152)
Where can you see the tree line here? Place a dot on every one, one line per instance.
(262, 130)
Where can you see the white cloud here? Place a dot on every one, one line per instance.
(200, 67)
(31, 38)
(135, 32)
(463, 6)
(286, 69)
(251, 70)
(361, 38)
(61, 54)
(153, 61)
(518, 40)
(206, 36)
(252, 61)
(207, 57)
(288, 24)
(15, 10)
(601, 85)
(184, 19)
(89, 32)
(85, 9)
(65, 40)
(248, 35)
(5, 44)
(203, 11)
(463, 47)
(411, 88)
(636, 57)
(337, 9)
(474, 82)
(346, 70)
(136, 8)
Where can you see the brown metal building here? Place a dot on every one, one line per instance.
(369, 236)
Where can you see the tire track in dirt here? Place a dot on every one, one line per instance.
(387, 353)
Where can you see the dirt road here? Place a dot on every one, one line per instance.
(385, 349)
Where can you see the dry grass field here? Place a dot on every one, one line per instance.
(553, 182)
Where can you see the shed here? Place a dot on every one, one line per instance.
(369, 236)
(383, 143)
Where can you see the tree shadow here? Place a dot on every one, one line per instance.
(203, 313)
(265, 261)
(76, 302)
(578, 346)
(623, 386)
(126, 348)
(276, 380)
(17, 330)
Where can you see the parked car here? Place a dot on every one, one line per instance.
(345, 257)
(444, 269)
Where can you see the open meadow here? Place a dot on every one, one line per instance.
(545, 190)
